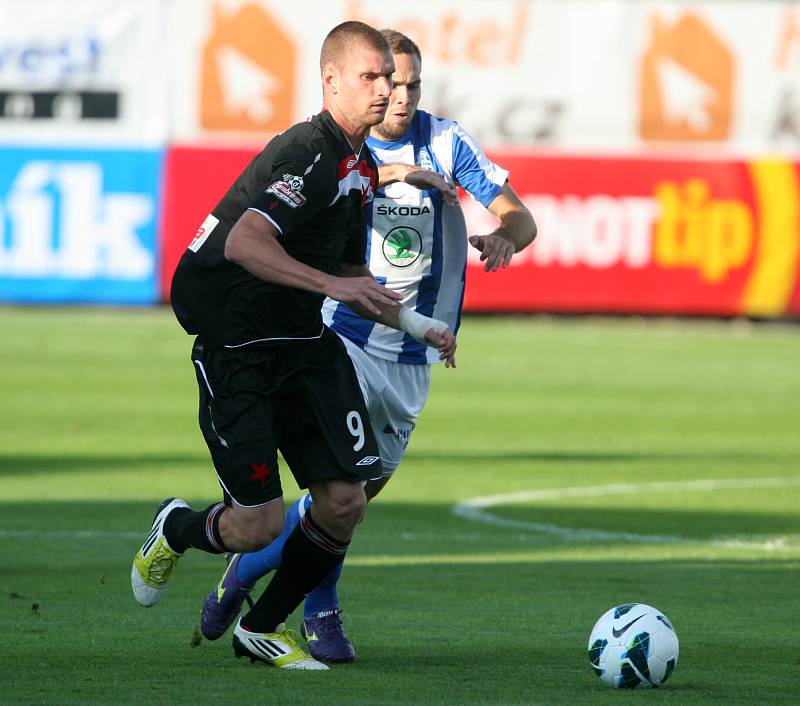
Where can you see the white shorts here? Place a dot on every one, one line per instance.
(395, 394)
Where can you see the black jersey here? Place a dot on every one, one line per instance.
(311, 186)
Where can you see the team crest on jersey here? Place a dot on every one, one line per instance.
(402, 246)
(424, 160)
(289, 190)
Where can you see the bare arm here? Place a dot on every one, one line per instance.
(393, 172)
(253, 245)
(516, 231)
(390, 315)
(417, 177)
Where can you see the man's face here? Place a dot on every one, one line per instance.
(364, 83)
(403, 102)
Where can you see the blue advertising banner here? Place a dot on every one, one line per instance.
(79, 225)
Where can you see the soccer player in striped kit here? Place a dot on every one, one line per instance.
(417, 246)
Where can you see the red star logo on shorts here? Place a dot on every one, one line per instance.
(260, 472)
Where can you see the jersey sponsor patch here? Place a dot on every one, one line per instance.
(295, 183)
(203, 232)
(401, 243)
(402, 246)
(288, 190)
(385, 209)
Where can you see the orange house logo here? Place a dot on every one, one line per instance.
(686, 83)
(248, 72)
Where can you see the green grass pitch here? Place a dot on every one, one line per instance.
(651, 461)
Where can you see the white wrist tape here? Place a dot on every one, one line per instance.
(416, 324)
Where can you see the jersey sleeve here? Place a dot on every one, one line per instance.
(473, 170)
(301, 184)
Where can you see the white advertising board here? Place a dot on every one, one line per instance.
(86, 71)
(596, 75)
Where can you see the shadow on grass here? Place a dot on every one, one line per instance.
(69, 463)
(21, 464)
(415, 528)
(483, 457)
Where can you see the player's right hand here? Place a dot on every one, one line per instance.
(362, 290)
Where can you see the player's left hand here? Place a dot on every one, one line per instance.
(445, 343)
(424, 179)
(494, 248)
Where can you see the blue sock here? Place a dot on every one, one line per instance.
(254, 565)
(324, 597)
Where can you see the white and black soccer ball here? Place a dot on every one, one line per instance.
(633, 645)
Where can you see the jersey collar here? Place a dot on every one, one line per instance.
(327, 119)
(402, 141)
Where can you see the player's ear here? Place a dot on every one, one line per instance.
(330, 78)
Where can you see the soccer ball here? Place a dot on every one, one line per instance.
(633, 645)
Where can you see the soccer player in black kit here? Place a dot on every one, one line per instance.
(289, 232)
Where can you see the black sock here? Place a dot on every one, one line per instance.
(309, 555)
(185, 528)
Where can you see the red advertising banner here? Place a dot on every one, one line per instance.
(617, 235)
(196, 179)
(657, 236)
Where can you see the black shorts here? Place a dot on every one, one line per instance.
(302, 398)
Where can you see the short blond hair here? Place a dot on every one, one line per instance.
(344, 35)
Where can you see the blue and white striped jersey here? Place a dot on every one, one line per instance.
(416, 245)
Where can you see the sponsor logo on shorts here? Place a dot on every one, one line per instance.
(368, 460)
(288, 190)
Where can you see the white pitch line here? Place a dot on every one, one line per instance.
(69, 534)
(475, 509)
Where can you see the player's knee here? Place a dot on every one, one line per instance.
(345, 508)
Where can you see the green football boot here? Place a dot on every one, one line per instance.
(279, 648)
(154, 562)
